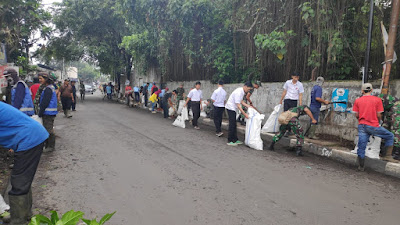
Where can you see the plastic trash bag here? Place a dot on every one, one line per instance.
(272, 125)
(153, 98)
(37, 119)
(179, 122)
(171, 111)
(373, 147)
(181, 104)
(190, 114)
(203, 114)
(3, 205)
(185, 114)
(253, 130)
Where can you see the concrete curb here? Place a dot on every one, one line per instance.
(344, 156)
(388, 168)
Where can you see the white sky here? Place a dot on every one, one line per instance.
(47, 4)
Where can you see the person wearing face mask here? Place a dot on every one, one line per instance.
(21, 97)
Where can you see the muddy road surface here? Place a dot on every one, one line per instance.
(113, 158)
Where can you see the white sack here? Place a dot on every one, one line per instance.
(190, 114)
(171, 111)
(3, 206)
(37, 119)
(272, 125)
(179, 122)
(185, 114)
(373, 147)
(253, 130)
(203, 114)
(181, 104)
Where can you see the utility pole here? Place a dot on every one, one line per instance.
(369, 39)
(394, 20)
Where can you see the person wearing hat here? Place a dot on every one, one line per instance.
(295, 126)
(29, 83)
(154, 88)
(21, 97)
(42, 81)
(67, 97)
(26, 137)
(315, 106)
(48, 111)
(369, 109)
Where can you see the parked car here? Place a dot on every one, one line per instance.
(88, 89)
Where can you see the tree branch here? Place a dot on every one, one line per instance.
(251, 27)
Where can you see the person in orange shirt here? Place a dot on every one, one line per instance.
(128, 92)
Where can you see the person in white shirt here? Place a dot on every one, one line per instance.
(219, 98)
(195, 96)
(233, 106)
(292, 93)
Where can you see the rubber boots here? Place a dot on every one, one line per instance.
(68, 113)
(311, 132)
(361, 163)
(388, 156)
(271, 147)
(396, 154)
(299, 151)
(20, 209)
(51, 143)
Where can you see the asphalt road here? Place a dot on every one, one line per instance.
(113, 158)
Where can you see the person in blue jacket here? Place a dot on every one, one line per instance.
(26, 137)
(48, 111)
(21, 97)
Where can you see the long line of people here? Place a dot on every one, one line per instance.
(237, 104)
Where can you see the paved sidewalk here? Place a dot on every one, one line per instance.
(329, 149)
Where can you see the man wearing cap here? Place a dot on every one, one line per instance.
(21, 97)
(66, 96)
(154, 88)
(369, 109)
(315, 106)
(295, 126)
(42, 81)
(48, 110)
